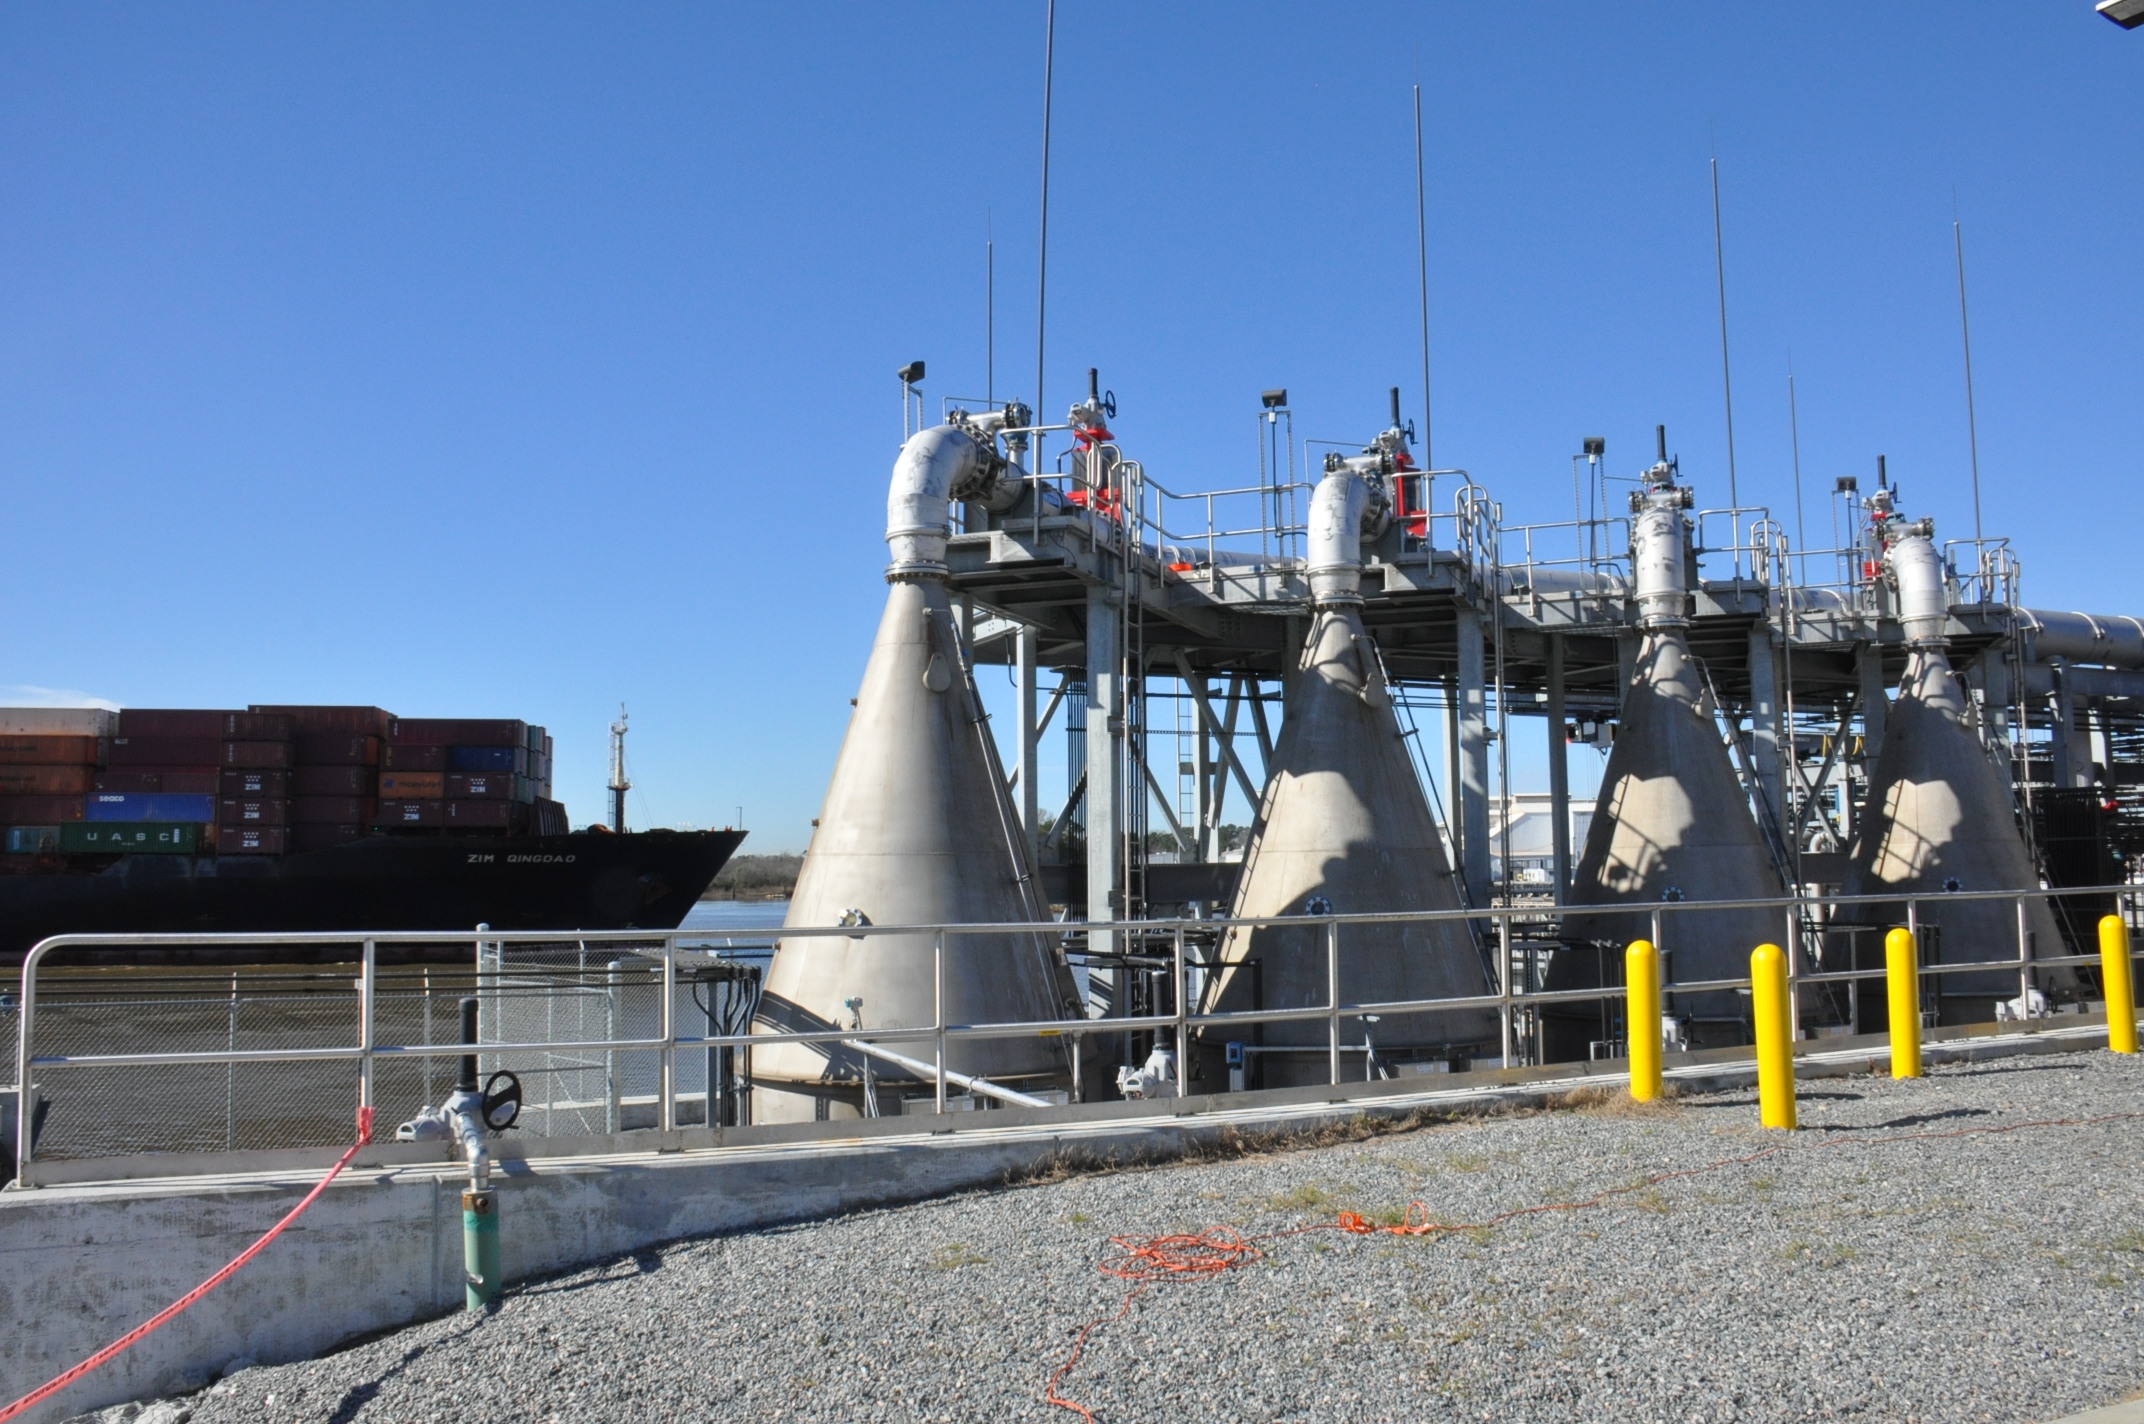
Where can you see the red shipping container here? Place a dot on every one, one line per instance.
(45, 780)
(321, 837)
(193, 781)
(161, 751)
(244, 811)
(356, 721)
(486, 786)
(332, 780)
(424, 758)
(260, 726)
(403, 785)
(128, 781)
(331, 810)
(337, 749)
(49, 751)
(412, 813)
(459, 732)
(233, 781)
(488, 815)
(252, 840)
(256, 754)
(39, 810)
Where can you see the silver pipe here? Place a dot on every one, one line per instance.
(924, 1070)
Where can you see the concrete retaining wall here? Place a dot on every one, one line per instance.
(83, 1261)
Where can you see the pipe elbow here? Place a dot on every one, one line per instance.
(1337, 511)
(1923, 609)
(931, 466)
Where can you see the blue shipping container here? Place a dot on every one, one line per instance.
(150, 806)
(487, 759)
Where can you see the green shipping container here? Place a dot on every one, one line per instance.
(129, 838)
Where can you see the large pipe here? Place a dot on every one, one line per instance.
(2106, 639)
(1344, 827)
(929, 1073)
(917, 829)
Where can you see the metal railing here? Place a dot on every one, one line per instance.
(1803, 922)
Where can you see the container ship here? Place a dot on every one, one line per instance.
(310, 818)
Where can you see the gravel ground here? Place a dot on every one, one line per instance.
(1984, 1277)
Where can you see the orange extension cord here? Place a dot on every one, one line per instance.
(1152, 1260)
(170, 1312)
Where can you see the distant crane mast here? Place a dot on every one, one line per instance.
(618, 783)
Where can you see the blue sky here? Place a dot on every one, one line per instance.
(520, 360)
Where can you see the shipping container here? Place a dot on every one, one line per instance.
(331, 810)
(162, 751)
(535, 738)
(150, 806)
(131, 838)
(252, 811)
(487, 786)
(412, 785)
(488, 759)
(459, 732)
(259, 726)
(58, 722)
(488, 815)
(323, 835)
(237, 781)
(54, 750)
(411, 813)
(332, 780)
(256, 754)
(337, 749)
(127, 781)
(194, 780)
(252, 840)
(45, 780)
(351, 721)
(33, 840)
(416, 758)
(548, 818)
(40, 810)
(174, 722)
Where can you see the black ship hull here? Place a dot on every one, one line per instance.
(644, 880)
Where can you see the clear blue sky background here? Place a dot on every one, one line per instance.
(519, 360)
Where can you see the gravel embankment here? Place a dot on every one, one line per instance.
(1989, 1277)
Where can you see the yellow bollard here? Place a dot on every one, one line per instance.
(1641, 1018)
(1775, 1043)
(1902, 967)
(2115, 978)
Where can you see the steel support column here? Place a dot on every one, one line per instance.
(1473, 788)
(1024, 649)
(1105, 764)
(1875, 700)
(1764, 719)
(1559, 771)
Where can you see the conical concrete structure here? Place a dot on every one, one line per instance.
(917, 829)
(1345, 829)
(1672, 823)
(1939, 820)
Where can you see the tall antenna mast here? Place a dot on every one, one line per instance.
(1965, 329)
(1727, 383)
(618, 784)
(1794, 428)
(1421, 247)
(990, 315)
(1042, 279)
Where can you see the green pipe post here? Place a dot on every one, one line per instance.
(480, 1247)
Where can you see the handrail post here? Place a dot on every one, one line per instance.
(1793, 944)
(669, 1051)
(25, 1091)
(2024, 962)
(938, 1016)
(1506, 1009)
(1183, 1046)
(1332, 998)
(367, 1023)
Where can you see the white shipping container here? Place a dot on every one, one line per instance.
(58, 721)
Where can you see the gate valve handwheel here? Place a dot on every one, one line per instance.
(502, 1101)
